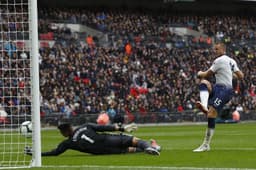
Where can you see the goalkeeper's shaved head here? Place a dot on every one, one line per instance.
(65, 129)
(64, 126)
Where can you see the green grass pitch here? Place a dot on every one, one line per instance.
(233, 147)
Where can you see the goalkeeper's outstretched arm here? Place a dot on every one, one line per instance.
(62, 147)
(101, 128)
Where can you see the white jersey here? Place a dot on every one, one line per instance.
(224, 67)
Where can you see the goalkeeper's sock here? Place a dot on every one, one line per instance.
(134, 149)
(204, 94)
(143, 144)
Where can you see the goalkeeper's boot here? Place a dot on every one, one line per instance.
(152, 151)
(201, 107)
(203, 148)
(155, 145)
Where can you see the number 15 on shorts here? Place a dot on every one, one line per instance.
(217, 102)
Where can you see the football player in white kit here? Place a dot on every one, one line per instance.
(214, 97)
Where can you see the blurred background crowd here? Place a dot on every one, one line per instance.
(143, 66)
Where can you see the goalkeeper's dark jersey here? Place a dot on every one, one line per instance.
(86, 139)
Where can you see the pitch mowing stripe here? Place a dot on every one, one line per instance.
(142, 167)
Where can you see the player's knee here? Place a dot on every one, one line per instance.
(212, 112)
(204, 81)
(205, 85)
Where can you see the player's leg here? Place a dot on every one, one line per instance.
(212, 114)
(114, 143)
(205, 89)
(219, 97)
(134, 149)
(145, 146)
(153, 144)
(118, 144)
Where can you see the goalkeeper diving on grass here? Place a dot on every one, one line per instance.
(93, 139)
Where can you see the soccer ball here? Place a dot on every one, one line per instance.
(26, 129)
(103, 119)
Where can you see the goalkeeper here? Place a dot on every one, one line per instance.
(91, 138)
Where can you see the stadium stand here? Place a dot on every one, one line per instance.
(155, 78)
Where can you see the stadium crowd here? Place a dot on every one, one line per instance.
(138, 72)
(111, 77)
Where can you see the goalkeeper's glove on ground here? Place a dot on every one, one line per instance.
(130, 127)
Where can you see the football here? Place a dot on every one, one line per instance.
(26, 129)
(103, 119)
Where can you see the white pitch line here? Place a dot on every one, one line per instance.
(217, 149)
(129, 167)
(22, 167)
(234, 149)
(143, 167)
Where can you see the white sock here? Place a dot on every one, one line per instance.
(208, 136)
(204, 95)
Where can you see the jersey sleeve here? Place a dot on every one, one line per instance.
(62, 147)
(101, 128)
(215, 66)
(234, 66)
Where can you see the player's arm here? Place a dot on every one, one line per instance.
(104, 128)
(239, 75)
(205, 74)
(62, 147)
(210, 72)
(114, 127)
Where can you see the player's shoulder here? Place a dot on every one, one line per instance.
(84, 126)
(87, 126)
(223, 58)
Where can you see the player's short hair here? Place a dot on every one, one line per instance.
(64, 126)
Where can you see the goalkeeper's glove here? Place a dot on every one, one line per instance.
(28, 150)
(130, 127)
